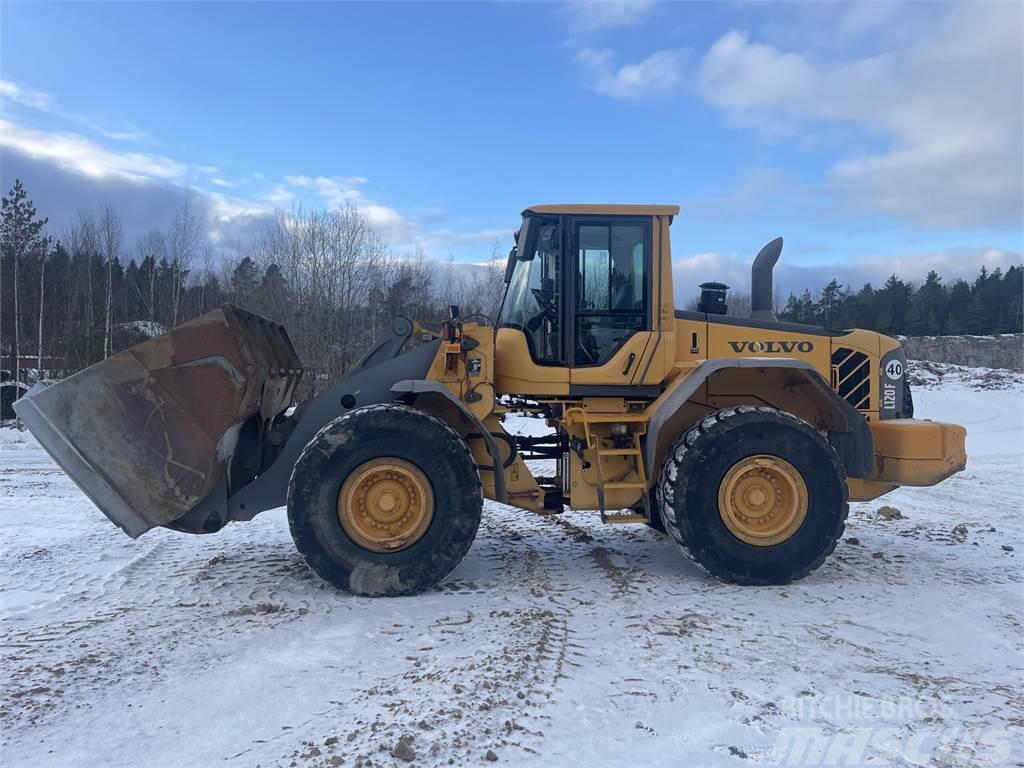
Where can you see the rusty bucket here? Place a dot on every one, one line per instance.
(150, 431)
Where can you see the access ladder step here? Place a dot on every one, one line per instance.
(634, 486)
(624, 518)
(618, 451)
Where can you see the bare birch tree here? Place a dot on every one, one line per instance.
(43, 255)
(182, 241)
(82, 238)
(150, 249)
(209, 262)
(330, 261)
(110, 234)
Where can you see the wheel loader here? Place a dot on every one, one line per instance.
(742, 438)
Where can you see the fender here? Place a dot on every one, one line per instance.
(848, 431)
(431, 388)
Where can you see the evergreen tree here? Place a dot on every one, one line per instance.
(984, 308)
(861, 309)
(273, 292)
(21, 233)
(958, 307)
(1011, 308)
(244, 282)
(928, 308)
(830, 304)
(892, 303)
(799, 309)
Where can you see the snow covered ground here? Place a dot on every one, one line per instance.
(558, 641)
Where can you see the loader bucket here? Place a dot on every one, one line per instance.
(149, 432)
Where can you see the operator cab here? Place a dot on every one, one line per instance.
(580, 287)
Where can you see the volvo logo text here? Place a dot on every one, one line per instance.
(771, 347)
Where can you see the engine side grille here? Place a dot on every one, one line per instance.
(850, 374)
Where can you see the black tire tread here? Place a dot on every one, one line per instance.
(444, 441)
(675, 459)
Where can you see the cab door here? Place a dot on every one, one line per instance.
(530, 355)
(609, 338)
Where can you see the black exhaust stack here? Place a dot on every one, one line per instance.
(761, 286)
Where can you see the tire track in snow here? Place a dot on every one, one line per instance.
(610, 635)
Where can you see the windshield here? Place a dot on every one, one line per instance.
(532, 303)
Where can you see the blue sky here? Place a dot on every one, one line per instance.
(873, 136)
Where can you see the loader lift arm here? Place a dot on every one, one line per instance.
(370, 381)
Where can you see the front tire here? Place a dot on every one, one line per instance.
(385, 500)
(754, 496)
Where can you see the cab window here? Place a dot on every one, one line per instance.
(610, 288)
(533, 300)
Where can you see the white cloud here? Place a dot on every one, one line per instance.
(593, 15)
(146, 183)
(951, 108)
(659, 74)
(228, 219)
(391, 225)
(127, 135)
(758, 189)
(738, 74)
(13, 93)
(414, 229)
(278, 194)
(74, 152)
(335, 191)
(484, 236)
(340, 191)
(35, 99)
(865, 16)
(220, 181)
(223, 208)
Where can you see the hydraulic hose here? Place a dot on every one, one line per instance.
(508, 439)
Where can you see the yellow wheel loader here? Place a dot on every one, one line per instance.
(742, 438)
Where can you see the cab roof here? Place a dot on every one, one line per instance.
(604, 209)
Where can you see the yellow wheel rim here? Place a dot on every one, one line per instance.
(386, 505)
(762, 500)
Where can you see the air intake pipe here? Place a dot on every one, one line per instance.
(761, 286)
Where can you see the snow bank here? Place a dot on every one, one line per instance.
(927, 374)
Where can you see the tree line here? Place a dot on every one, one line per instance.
(993, 303)
(71, 299)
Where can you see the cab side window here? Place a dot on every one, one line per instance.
(533, 301)
(610, 288)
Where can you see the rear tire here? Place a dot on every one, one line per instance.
(698, 489)
(419, 446)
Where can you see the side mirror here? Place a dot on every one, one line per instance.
(510, 265)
